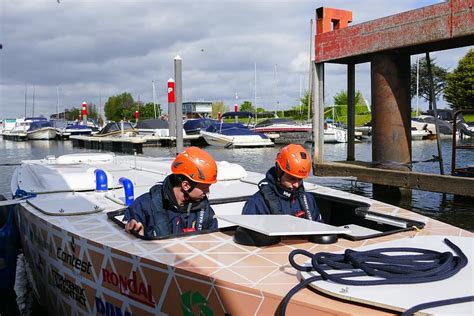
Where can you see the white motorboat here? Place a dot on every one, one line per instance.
(41, 130)
(419, 134)
(233, 135)
(7, 126)
(237, 137)
(84, 263)
(334, 134)
(285, 131)
(154, 127)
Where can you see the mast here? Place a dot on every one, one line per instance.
(33, 114)
(57, 99)
(154, 96)
(26, 89)
(255, 91)
(310, 60)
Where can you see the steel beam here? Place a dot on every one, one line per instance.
(436, 27)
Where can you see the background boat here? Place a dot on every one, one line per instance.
(41, 130)
(285, 131)
(232, 135)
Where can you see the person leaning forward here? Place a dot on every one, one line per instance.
(282, 190)
(179, 204)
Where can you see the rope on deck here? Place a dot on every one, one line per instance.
(415, 265)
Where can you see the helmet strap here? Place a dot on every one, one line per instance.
(278, 172)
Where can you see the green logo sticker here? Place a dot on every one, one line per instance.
(194, 304)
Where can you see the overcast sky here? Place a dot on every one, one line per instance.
(88, 50)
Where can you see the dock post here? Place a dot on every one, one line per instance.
(171, 108)
(178, 75)
(318, 112)
(391, 123)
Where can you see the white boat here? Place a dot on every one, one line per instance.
(334, 134)
(7, 126)
(84, 263)
(427, 123)
(22, 125)
(154, 127)
(235, 137)
(419, 134)
(41, 130)
(285, 131)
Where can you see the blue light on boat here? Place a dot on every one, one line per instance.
(100, 180)
(128, 188)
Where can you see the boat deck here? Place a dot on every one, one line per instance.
(235, 279)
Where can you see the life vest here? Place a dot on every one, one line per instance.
(272, 195)
(162, 211)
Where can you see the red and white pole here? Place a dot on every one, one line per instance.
(236, 109)
(136, 116)
(84, 113)
(171, 108)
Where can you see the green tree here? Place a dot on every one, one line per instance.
(260, 110)
(120, 107)
(301, 111)
(459, 90)
(341, 98)
(424, 86)
(247, 106)
(92, 111)
(72, 114)
(217, 107)
(147, 111)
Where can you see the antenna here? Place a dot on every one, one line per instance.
(26, 89)
(276, 86)
(154, 96)
(57, 97)
(255, 91)
(301, 103)
(33, 114)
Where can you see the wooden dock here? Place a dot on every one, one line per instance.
(18, 137)
(365, 172)
(129, 144)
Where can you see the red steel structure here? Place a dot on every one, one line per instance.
(437, 27)
(387, 44)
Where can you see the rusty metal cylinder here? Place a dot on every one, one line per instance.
(391, 117)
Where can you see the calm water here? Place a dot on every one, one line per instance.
(447, 208)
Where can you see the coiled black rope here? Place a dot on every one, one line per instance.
(415, 265)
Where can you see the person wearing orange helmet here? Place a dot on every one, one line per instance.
(179, 204)
(282, 190)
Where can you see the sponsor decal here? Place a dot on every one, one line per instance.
(105, 308)
(69, 288)
(73, 261)
(130, 287)
(191, 302)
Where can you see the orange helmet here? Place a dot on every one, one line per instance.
(196, 164)
(294, 160)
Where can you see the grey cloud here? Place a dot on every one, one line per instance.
(94, 49)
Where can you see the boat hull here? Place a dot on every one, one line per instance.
(335, 135)
(220, 140)
(87, 265)
(42, 134)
